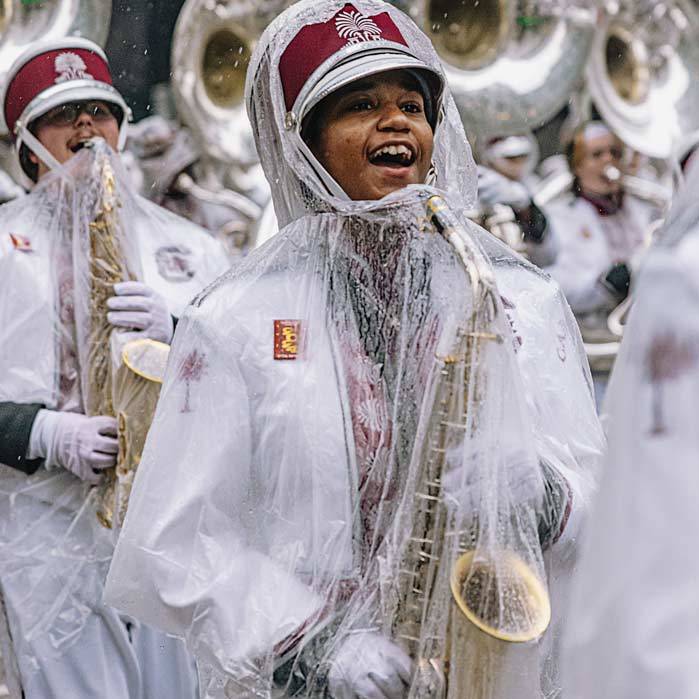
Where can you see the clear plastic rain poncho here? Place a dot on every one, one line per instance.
(54, 554)
(634, 631)
(344, 415)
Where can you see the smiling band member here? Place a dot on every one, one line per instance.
(59, 98)
(600, 232)
(281, 484)
(385, 121)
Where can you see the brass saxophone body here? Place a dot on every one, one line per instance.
(124, 378)
(106, 268)
(427, 590)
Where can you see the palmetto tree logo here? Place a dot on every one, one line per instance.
(69, 66)
(668, 357)
(191, 370)
(356, 27)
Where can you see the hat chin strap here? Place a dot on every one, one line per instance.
(40, 151)
(326, 179)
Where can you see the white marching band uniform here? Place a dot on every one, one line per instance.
(590, 243)
(55, 557)
(259, 527)
(54, 554)
(178, 260)
(633, 630)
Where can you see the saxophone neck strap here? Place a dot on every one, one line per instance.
(41, 152)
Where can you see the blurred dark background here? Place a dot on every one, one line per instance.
(139, 48)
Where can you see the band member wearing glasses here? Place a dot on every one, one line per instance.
(58, 100)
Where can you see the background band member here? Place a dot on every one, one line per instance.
(506, 176)
(298, 417)
(599, 232)
(514, 156)
(537, 241)
(58, 101)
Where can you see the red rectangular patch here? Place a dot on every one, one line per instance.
(287, 338)
(21, 243)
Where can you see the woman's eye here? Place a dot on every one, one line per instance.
(360, 105)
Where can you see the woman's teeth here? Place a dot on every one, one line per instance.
(394, 150)
(395, 154)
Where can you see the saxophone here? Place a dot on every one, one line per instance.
(107, 267)
(474, 576)
(123, 377)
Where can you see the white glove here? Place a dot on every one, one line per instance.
(369, 666)
(494, 188)
(138, 307)
(83, 445)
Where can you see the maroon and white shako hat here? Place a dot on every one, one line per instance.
(53, 72)
(326, 56)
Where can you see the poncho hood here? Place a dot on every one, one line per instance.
(297, 184)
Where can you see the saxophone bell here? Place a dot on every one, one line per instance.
(529, 612)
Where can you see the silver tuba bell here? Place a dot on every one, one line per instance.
(211, 49)
(641, 77)
(511, 65)
(642, 72)
(23, 22)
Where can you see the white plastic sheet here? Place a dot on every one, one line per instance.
(633, 629)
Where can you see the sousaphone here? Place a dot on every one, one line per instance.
(25, 21)
(211, 49)
(642, 72)
(511, 66)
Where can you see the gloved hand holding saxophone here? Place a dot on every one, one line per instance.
(136, 306)
(84, 445)
(367, 665)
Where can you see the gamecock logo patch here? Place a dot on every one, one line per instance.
(175, 263)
